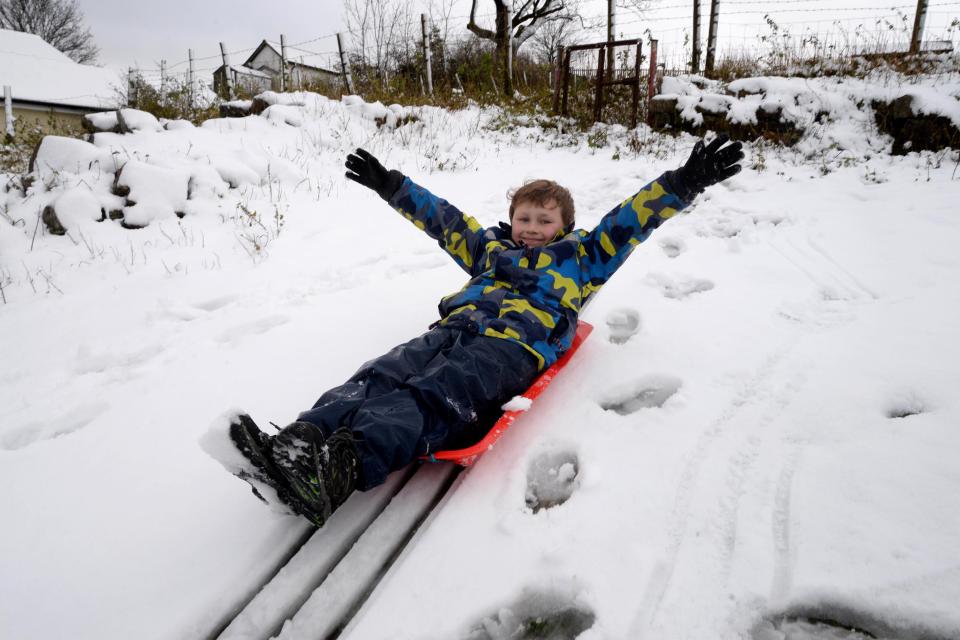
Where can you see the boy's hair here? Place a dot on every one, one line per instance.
(541, 192)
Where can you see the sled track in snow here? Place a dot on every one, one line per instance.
(328, 577)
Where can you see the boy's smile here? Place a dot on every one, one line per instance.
(534, 225)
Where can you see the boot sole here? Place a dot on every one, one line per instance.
(244, 436)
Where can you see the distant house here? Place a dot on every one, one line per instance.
(261, 72)
(49, 88)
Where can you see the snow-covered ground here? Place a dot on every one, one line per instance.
(763, 423)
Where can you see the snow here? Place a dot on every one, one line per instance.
(136, 120)
(761, 425)
(518, 403)
(38, 72)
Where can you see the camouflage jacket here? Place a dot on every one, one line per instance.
(532, 295)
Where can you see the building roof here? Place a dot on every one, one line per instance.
(38, 72)
(275, 47)
(245, 71)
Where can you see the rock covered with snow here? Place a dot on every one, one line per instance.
(152, 192)
(103, 121)
(57, 154)
(131, 120)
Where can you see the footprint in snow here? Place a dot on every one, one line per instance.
(672, 247)
(827, 621)
(680, 287)
(906, 404)
(235, 334)
(551, 479)
(645, 393)
(50, 428)
(544, 615)
(623, 324)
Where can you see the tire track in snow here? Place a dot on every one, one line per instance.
(783, 551)
(662, 575)
(829, 276)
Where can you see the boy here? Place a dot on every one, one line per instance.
(515, 317)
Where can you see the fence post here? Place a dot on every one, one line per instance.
(695, 57)
(283, 63)
(190, 78)
(611, 34)
(131, 88)
(229, 71)
(651, 81)
(712, 37)
(163, 82)
(8, 109)
(918, 22)
(509, 80)
(343, 66)
(426, 52)
(556, 79)
(598, 98)
(566, 81)
(300, 75)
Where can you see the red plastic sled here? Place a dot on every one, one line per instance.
(466, 457)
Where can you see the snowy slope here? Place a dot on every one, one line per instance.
(780, 322)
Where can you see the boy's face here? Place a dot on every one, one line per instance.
(536, 225)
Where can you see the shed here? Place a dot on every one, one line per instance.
(244, 79)
(266, 62)
(49, 89)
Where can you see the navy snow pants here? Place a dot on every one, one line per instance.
(440, 390)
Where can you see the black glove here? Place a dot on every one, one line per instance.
(363, 168)
(707, 165)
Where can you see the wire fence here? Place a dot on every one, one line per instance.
(746, 29)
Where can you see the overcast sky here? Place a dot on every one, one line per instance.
(142, 37)
(128, 37)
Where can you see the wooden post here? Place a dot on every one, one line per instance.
(636, 90)
(918, 22)
(611, 34)
(229, 70)
(8, 110)
(300, 75)
(558, 75)
(695, 57)
(283, 63)
(343, 66)
(509, 78)
(131, 88)
(598, 99)
(566, 82)
(651, 81)
(191, 80)
(426, 52)
(712, 37)
(163, 82)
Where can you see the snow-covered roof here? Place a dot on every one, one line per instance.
(247, 71)
(38, 72)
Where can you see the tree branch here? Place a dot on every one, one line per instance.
(475, 28)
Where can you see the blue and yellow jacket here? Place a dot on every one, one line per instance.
(532, 295)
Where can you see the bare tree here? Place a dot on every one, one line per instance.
(564, 29)
(374, 27)
(58, 22)
(527, 18)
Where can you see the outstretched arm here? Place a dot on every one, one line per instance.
(608, 245)
(458, 234)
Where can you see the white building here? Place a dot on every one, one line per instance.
(48, 88)
(261, 72)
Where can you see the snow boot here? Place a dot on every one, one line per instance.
(264, 478)
(322, 473)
